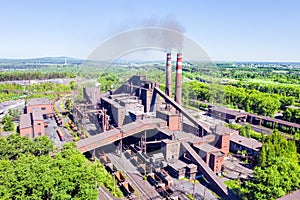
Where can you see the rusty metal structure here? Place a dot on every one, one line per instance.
(139, 107)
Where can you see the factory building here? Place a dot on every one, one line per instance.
(44, 104)
(240, 143)
(140, 114)
(138, 99)
(92, 95)
(32, 122)
(231, 116)
(226, 114)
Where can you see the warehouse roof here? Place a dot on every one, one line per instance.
(37, 114)
(224, 110)
(177, 164)
(206, 148)
(38, 101)
(246, 142)
(223, 130)
(25, 121)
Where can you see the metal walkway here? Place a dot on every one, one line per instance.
(208, 173)
(202, 126)
(116, 134)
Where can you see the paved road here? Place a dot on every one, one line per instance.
(12, 104)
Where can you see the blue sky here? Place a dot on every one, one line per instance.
(231, 30)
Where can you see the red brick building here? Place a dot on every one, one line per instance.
(43, 104)
(212, 148)
(32, 122)
(211, 155)
(25, 126)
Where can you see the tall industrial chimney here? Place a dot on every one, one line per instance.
(178, 86)
(169, 75)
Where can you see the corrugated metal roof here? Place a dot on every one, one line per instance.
(128, 129)
(99, 137)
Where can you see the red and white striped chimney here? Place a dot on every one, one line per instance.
(169, 75)
(178, 86)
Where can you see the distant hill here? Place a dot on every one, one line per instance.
(73, 61)
(44, 60)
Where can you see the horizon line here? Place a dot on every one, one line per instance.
(154, 60)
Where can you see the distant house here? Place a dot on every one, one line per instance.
(32, 122)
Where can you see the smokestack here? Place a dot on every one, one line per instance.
(169, 75)
(178, 86)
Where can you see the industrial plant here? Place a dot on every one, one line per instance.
(156, 133)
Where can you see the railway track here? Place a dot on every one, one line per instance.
(138, 184)
(103, 195)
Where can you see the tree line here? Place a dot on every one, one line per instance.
(12, 76)
(279, 74)
(9, 91)
(277, 173)
(283, 90)
(248, 100)
(292, 115)
(35, 169)
(246, 131)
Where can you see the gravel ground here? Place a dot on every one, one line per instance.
(234, 169)
(201, 191)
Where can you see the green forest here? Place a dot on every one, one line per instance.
(250, 100)
(241, 86)
(50, 90)
(36, 169)
(277, 172)
(19, 75)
